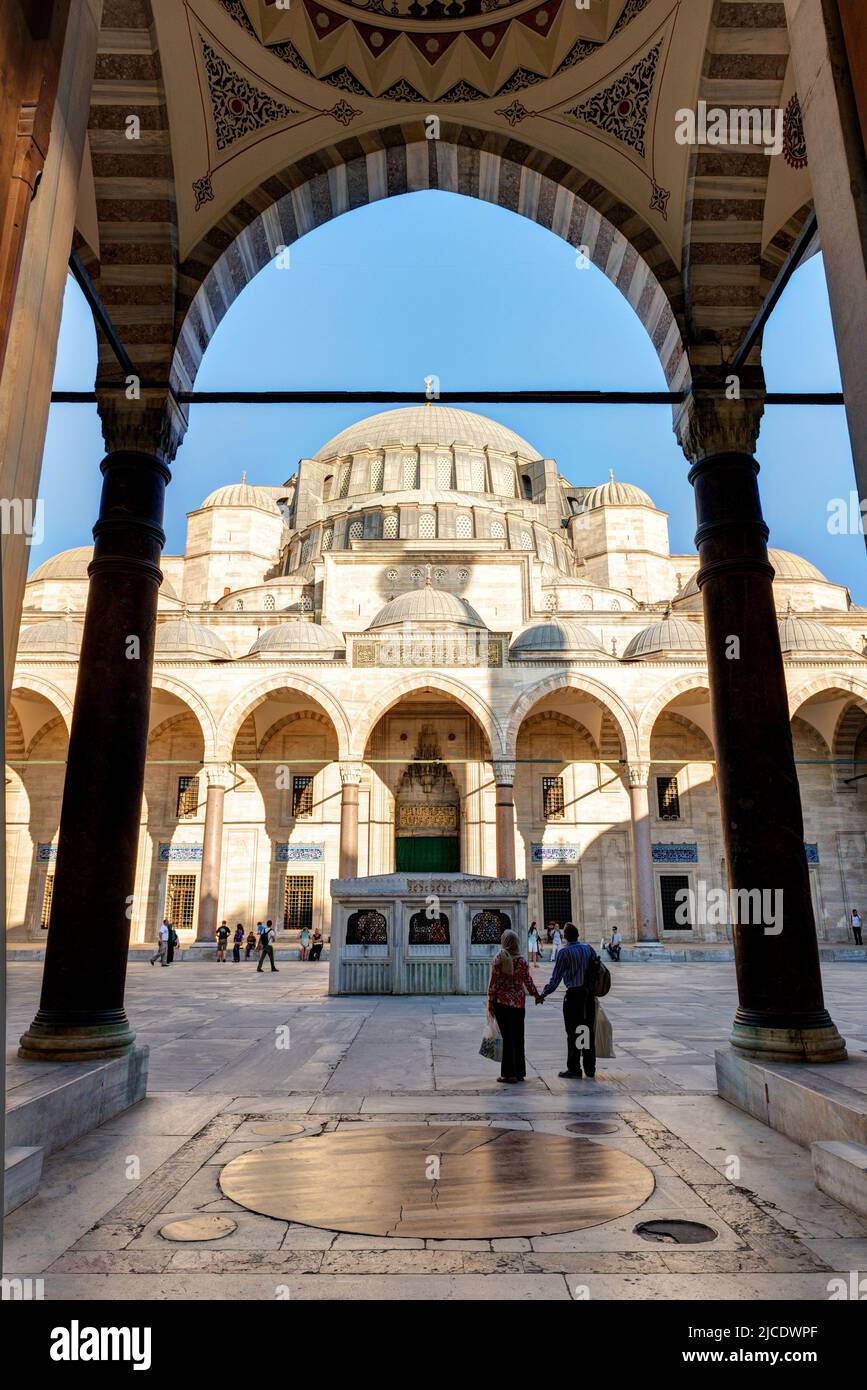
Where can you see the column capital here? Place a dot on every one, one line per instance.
(220, 775)
(637, 774)
(152, 423)
(504, 774)
(708, 423)
(350, 774)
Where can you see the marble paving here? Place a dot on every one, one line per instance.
(231, 1049)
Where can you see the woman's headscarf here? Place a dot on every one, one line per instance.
(508, 952)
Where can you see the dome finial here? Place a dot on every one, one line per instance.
(244, 477)
(611, 475)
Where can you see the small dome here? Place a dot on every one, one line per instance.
(427, 605)
(787, 567)
(72, 564)
(297, 636)
(800, 636)
(613, 494)
(441, 425)
(181, 637)
(555, 635)
(59, 635)
(671, 636)
(244, 494)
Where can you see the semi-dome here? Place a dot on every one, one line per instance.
(181, 637)
(243, 494)
(672, 635)
(427, 605)
(555, 635)
(72, 564)
(614, 494)
(803, 636)
(59, 635)
(439, 425)
(297, 636)
(787, 567)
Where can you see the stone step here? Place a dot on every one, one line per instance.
(840, 1169)
(805, 1102)
(23, 1175)
(50, 1104)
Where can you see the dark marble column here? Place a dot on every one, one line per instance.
(81, 1011)
(504, 776)
(781, 1014)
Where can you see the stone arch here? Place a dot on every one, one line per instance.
(50, 692)
(280, 724)
(248, 700)
(197, 706)
(15, 745)
(696, 680)
(689, 726)
(549, 715)
(492, 167)
(850, 728)
(418, 683)
(610, 703)
(46, 728)
(827, 682)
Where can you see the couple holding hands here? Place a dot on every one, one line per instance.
(510, 981)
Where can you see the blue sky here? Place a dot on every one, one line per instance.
(432, 283)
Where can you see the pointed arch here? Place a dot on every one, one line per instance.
(418, 683)
(248, 700)
(610, 703)
(696, 680)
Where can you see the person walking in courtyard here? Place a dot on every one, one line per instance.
(556, 942)
(305, 942)
(579, 1005)
(533, 944)
(172, 944)
(509, 981)
(266, 948)
(251, 943)
(615, 945)
(222, 939)
(316, 945)
(237, 939)
(162, 944)
(856, 926)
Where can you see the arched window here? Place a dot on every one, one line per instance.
(366, 929)
(487, 927)
(345, 477)
(356, 531)
(527, 486)
(428, 931)
(270, 603)
(390, 525)
(463, 527)
(498, 531)
(427, 526)
(377, 475)
(239, 605)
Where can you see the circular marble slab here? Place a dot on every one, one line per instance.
(592, 1127)
(202, 1227)
(278, 1129)
(463, 1182)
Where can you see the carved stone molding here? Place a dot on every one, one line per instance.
(350, 774)
(708, 423)
(637, 774)
(151, 423)
(504, 774)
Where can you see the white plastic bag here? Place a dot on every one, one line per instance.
(492, 1040)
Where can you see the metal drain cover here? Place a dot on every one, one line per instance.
(675, 1232)
(199, 1228)
(279, 1129)
(592, 1127)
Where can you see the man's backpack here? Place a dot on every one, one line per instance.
(597, 977)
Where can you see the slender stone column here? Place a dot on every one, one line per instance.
(781, 1014)
(504, 776)
(81, 1012)
(350, 777)
(219, 778)
(643, 896)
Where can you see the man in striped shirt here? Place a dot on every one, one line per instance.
(579, 1005)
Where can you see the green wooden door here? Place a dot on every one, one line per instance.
(428, 854)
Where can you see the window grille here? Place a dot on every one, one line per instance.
(345, 478)
(409, 472)
(328, 538)
(188, 797)
(464, 527)
(390, 526)
(270, 603)
(477, 475)
(356, 530)
(668, 798)
(181, 901)
(427, 526)
(377, 475)
(445, 474)
(670, 885)
(498, 531)
(298, 902)
(47, 896)
(302, 797)
(553, 801)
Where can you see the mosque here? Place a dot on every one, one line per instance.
(429, 653)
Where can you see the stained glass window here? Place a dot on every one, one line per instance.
(366, 929)
(428, 931)
(488, 927)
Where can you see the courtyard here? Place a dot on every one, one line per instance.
(242, 1062)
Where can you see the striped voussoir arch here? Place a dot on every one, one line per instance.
(850, 727)
(496, 169)
(135, 268)
(725, 274)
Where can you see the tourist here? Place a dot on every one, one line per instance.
(162, 944)
(251, 943)
(614, 946)
(222, 939)
(533, 944)
(260, 927)
(316, 945)
(579, 1005)
(236, 944)
(266, 948)
(305, 942)
(556, 942)
(510, 978)
(856, 926)
(172, 944)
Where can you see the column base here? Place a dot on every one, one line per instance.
(48, 1042)
(814, 1043)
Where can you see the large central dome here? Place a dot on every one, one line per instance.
(440, 425)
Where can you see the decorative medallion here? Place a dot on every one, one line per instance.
(203, 191)
(621, 110)
(343, 112)
(515, 112)
(238, 107)
(659, 200)
(794, 140)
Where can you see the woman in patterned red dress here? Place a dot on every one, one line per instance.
(510, 981)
